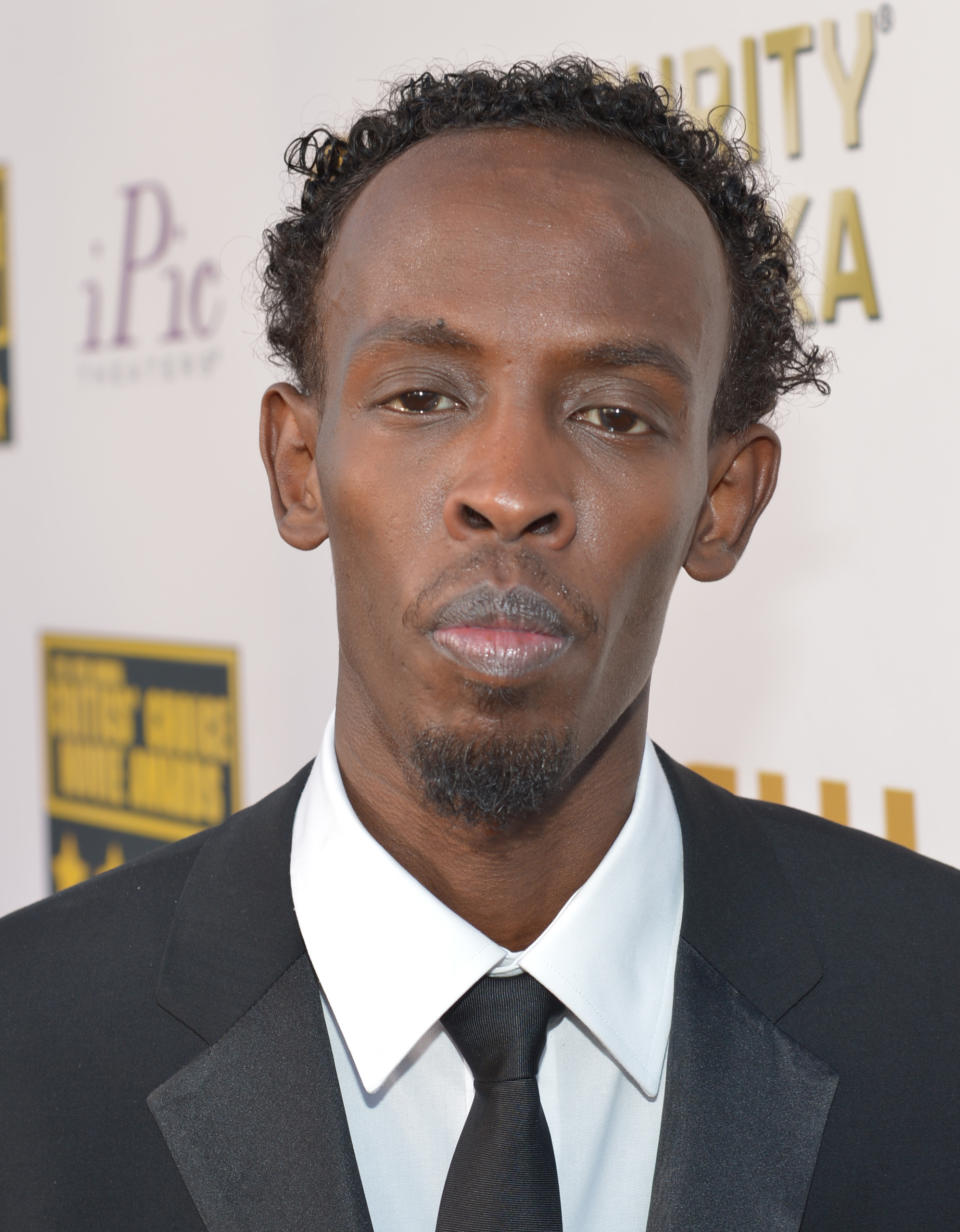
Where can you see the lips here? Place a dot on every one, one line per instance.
(501, 633)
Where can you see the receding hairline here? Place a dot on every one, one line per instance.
(479, 135)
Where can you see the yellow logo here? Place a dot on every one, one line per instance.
(141, 748)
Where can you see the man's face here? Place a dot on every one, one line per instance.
(523, 334)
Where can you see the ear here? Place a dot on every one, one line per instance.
(288, 440)
(743, 475)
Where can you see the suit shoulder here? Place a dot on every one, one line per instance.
(859, 866)
(801, 834)
(126, 902)
(129, 909)
(852, 883)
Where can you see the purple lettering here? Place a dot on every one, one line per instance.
(175, 318)
(136, 255)
(94, 297)
(204, 326)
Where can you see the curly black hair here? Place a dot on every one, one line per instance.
(768, 351)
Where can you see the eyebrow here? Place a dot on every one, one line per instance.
(630, 354)
(436, 334)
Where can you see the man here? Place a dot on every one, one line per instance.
(493, 961)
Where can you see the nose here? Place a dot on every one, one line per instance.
(510, 483)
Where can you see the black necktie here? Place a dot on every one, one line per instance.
(503, 1176)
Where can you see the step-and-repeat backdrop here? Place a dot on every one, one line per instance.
(165, 658)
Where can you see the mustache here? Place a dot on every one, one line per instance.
(536, 600)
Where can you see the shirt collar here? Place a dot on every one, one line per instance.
(391, 958)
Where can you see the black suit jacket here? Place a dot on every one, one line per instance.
(164, 1064)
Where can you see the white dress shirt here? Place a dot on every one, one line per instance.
(391, 958)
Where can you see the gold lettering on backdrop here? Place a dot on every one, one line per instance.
(732, 91)
(723, 776)
(834, 802)
(88, 771)
(89, 670)
(76, 708)
(785, 45)
(901, 822)
(698, 64)
(92, 715)
(665, 73)
(175, 785)
(793, 219)
(751, 96)
(771, 787)
(857, 283)
(899, 810)
(187, 723)
(849, 88)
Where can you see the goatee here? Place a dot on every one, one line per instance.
(493, 781)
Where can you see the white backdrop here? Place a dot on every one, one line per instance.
(131, 498)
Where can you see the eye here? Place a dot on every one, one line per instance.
(420, 402)
(613, 419)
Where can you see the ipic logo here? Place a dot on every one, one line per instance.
(151, 308)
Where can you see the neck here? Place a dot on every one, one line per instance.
(509, 882)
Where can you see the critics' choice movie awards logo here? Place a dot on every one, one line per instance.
(152, 307)
(141, 748)
(5, 409)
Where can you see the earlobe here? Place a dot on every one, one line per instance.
(743, 476)
(288, 435)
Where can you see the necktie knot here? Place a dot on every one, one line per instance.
(500, 1026)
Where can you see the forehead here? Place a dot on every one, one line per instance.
(500, 229)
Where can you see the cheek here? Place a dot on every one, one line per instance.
(378, 516)
(646, 601)
(646, 549)
(383, 494)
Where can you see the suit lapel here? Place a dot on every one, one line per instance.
(255, 1123)
(745, 1105)
(235, 931)
(743, 1116)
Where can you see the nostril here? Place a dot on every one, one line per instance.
(474, 519)
(544, 525)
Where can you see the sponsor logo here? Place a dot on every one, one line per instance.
(152, 308)
(141, 748)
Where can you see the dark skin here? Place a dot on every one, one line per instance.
(523, 334)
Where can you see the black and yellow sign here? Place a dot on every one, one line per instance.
(141, 748)
(5, 410)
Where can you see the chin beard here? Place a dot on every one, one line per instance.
(495, 781)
